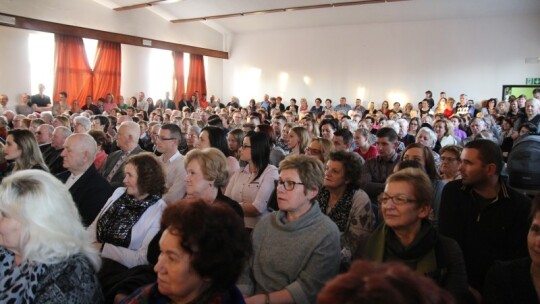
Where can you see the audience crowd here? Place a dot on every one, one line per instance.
(197, 201)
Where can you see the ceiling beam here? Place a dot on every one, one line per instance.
(284, 9)
(58, 28)
(140, 5)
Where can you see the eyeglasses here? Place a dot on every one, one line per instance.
(397, 200)
(164, 138)
(245, 146)
(288, 185)
(448, 159)
(314, 151)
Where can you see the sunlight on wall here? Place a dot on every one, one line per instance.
(361, 93)
(41, 59)
(396, 97)
(307, 80)
(247, 83)
(160, 71)
(283, 79)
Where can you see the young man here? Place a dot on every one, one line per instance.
(377, 169)
(488, 219)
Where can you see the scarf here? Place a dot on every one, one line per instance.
(340, 213)
(114, 226)
(425, 240)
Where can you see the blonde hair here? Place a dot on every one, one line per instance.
(30, 153)
(213, 165)
(310, 170)
(51, 228)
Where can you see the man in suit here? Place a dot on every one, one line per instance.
(88, 188)
(53, 159)
(127, 141)
(44, 138)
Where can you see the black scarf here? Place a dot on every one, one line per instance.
(114, 226)
(425, 240)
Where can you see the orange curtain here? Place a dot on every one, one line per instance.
(178, 77)
(196, 79)
(107, 69)
(72, 71)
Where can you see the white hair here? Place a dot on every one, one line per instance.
(51, 227)
(431, 134)
(83, 121)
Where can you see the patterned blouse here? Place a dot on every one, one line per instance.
(354, 216)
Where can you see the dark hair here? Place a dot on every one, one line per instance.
(150, 174)
(331, 121)
(529, 126)
(403, 164)
(430, 167)
(390, 133)
(488, 152)
(382, 283)
(269, 131)
(104, 121)
(174, 129)
(345, 134)
(63, 94)
(535, 206)
(213, 235)
(352, 164)
(217, 138)
(260, 151)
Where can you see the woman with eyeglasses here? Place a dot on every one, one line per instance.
(408, 236)
(252, 185)
(450, 161)
(296, 249)
(320, 148)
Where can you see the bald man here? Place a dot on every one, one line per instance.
(88, 188)
(127, 140)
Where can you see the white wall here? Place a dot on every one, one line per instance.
(14, 66)
(393, 61)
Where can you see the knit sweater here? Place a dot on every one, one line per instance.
(299, 256)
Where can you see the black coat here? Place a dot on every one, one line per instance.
(90, 192)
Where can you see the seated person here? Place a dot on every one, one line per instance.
(515, 281)
(203, 250)
(346, 204)
(407, 236)
(45, 258)
(284, 269)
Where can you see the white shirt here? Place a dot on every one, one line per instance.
(243, 189)
(175, 178)
(141, 234)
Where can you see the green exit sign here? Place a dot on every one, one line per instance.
(532, 81)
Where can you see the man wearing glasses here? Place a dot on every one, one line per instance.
(167, 143)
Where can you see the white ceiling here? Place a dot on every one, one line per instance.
(401, 11)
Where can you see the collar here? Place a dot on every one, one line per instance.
(503, 192)
(173, 158)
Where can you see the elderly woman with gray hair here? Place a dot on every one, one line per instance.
(45, 258)
(428, 138)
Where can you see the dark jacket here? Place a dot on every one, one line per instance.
(485, 233)
(90, 192)
(510, 283)
(431, 254)
(117, 180)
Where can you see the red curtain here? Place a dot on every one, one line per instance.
(196, 79)
(178, 77)
(107, 69)
(72, 71)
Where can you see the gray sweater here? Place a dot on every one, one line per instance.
(299, 256)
